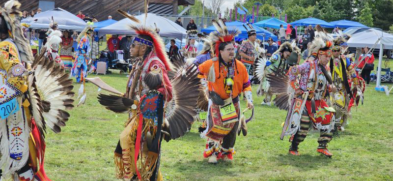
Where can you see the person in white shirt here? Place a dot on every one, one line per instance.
(281, 32)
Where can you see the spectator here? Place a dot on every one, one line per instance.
(271, 48)
(281, 34)
(66, 44)
(311, 32)
(113, 45)
(366, 64)
(41, 39)
(109, 17)
(306, 39)
(74, 37)
(87, 18)
(32, 13)
(125, 45)
(191, 25)
(80, 15)
(39, 10)
(25, 15)
(173, 50)
(178, 21)
(305, 53)
(293, 33)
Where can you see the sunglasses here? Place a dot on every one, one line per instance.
(335, 50)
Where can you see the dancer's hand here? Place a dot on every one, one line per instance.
(250, 105)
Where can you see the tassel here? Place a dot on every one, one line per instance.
(119, 166)
(212, 74)
(83, 100)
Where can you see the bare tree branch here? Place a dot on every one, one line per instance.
(215, 5)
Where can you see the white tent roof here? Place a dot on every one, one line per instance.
(167, 27)
(64, 19)
(371, 37)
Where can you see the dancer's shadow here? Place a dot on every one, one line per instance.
(305, 162)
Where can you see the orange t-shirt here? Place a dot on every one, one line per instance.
(240, 79)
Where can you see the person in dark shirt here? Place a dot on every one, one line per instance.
(293, 34)
(173, 50)
(271, 48)
(178, 21)
(191, 25)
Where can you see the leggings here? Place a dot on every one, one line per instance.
(305, 124)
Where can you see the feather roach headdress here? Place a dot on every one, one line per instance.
(321, 43)
(157, 43)
(221, 36)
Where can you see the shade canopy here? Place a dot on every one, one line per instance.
(167, 27)
(271, 23)
(311, 21)
(105, 23)
(237, 25)
(373, 38)
(368, 38)
(346, 24)
(64, 19)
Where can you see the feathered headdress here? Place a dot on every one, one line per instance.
(321, 43)
(288, 46)
(250, 30)
(89, 26)
(157, 43)
(192, 34)
(341, 40)
(11, 15)
(221, 36)
(53, 39)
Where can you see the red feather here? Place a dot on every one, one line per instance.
(160, 52)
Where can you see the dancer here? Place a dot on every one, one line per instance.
(157, 106)
(34, 95)
(306, 104)
(82, 58)
(226, 78)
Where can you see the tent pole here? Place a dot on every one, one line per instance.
(378, 86)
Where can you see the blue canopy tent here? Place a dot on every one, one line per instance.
(240, 11)
(346, 24)
(101, 24)
(237, 25)
(271, 23)
(311, 21)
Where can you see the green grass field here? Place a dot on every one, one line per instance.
(83, 151)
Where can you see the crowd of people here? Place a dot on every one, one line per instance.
(165, 93)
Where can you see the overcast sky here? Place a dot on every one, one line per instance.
(226, 4)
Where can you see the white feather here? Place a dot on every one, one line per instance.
(82, 100)
(260, 71)
(9, 4)
(80, 91)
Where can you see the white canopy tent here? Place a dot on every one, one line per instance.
(373, 38)
(64, 19)
(167, 27)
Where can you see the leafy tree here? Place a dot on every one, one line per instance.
(366, 16)
(267, 10)
(382, 13)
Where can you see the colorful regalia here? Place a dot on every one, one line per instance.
(225, 83)
(190, 50)
(82, 57)
(346, 80)
(303, 93)
(286, 56)
(34, 95)
(149, 95)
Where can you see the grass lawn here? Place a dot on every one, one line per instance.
(83, 151)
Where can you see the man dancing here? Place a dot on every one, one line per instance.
(226, 78)
(308, 109)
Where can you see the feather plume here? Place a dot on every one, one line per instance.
(217, 26)
(55, 96)
(186, 89)
(132, 18)
(114, 103)
(82, 100)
